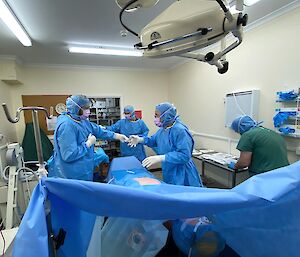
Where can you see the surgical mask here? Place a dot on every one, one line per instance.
(85, 115)
(157, 122)
(127, 116)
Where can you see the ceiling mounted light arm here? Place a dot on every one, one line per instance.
(222, 5)
(176, 32)
(121, 17)
(12, 22)
(130, 6)
(199, 32)
(219, 59)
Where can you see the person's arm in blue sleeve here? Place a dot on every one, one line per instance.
(144, 130)
(115, 127)
(98, 132)
(151, 141)
(183, 152)
(67, 142)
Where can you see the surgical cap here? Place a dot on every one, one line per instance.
(168, 113)
(128, 109)
(243, 123)
(75, 102)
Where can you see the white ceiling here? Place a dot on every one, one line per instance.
(53, 25)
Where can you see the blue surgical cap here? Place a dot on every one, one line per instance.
(128, 109)
(75, 102)
(243, 123)
(168, 113)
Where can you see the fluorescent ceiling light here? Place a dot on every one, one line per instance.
(250, 2)
(105, 51)
(8, 17)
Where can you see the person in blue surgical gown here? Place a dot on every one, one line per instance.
(174, 145)
(128, 126)
(74, 140)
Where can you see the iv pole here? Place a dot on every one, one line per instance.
(37, 135)
(41, 170)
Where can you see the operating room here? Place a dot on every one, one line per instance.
(242, 75)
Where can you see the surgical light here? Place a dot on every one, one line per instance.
(105, 51)
(9, 18)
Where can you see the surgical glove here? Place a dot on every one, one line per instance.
(149, 161)
(287, 130)
(134, 140)
(231, 165)
(121, 137)
(90, 141)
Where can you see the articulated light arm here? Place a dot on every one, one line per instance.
(186, 26)
(133, 5)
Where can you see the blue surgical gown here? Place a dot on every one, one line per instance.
(129, 128)
(176, 143)
(72, 158)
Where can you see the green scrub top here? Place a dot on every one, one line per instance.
(268, 149)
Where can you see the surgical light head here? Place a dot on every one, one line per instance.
(189, 25)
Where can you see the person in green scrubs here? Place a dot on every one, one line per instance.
(261, 149)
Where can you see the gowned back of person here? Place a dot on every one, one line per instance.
(268, 149)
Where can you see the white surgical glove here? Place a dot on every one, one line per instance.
(151, 160)
(134, 140)
(121, 137)
(90, 141)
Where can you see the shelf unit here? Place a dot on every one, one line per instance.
(105, 111)
(292, 122)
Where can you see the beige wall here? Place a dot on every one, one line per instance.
(268, 59)
(6, 128)
(142, 89)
